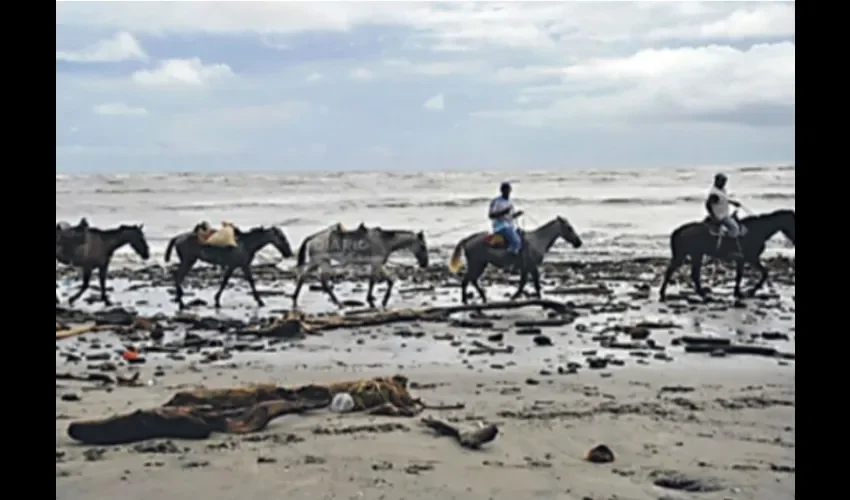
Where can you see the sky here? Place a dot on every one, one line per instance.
(308, 86)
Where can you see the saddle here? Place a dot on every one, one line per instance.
(715, 228)
(345, 240)
(224, 237)
(497, 241)
(68, 236)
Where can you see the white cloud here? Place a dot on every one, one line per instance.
(444, 26)
(765, 20)
(436, 103)
(527, 74)
(118, 109)
(437, 68)
(122, 47)
(667, 83)
(589, 69)
(182, 72)
(361, 75)
(314, 77)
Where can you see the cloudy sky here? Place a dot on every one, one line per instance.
(305, 86)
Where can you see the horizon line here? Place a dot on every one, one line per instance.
(735, 166)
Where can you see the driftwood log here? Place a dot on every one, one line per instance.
(183, 422)
(295, 325)
(102, 378)
(472, 439)
(80, 330)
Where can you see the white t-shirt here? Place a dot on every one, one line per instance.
(720, 209)
(498, 204)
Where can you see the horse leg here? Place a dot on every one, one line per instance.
(228, 272)
(326, 286)
(83, 287)
(180, 275)
(523, 279)
(535, 279)
(370, 298)
(464, 284)
(246, 271)
(756, 263)
(101, 278)
(300, 283)
(473, 272)
(696, 274)
(390, 282)
(675, 263)
(739, 275)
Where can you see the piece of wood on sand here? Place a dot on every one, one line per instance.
(83, 329)
(296, 324)
(472, 439)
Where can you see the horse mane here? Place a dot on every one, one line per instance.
(392, 233)
(253, 230)
(768, 215)
(113, 230)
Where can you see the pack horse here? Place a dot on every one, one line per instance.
(227, 247)
(90, 248)
(369, 246)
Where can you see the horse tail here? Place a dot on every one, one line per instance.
(170, 247)
(302, 252)
(455, 261)
(677, 243)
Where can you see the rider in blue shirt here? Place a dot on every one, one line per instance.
(503, 214)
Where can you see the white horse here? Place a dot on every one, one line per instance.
(362, 246)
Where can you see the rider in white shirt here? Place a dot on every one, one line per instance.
(718, 204)
(502, 215)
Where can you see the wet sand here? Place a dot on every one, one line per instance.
(712, 420)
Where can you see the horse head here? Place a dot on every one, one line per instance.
(420, 249)
(136, 238)
(567, 232)
(280, 241)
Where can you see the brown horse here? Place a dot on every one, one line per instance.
(696, 239)
(95, 250)
(190, 250)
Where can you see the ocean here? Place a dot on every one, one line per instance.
(618, 213)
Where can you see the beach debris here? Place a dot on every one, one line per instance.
(482, 348)
(104, 379)
(599, 454)
(472, 439)
(675, 480)
(297, 324)
(183, 422)
(198, 413)
(342, 403)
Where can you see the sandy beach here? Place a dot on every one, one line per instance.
(733, 431)
(715, 422)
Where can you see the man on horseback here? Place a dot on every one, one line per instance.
(718, 204)
(503, 214)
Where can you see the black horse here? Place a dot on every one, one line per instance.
(190, 250)
(696, 239)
